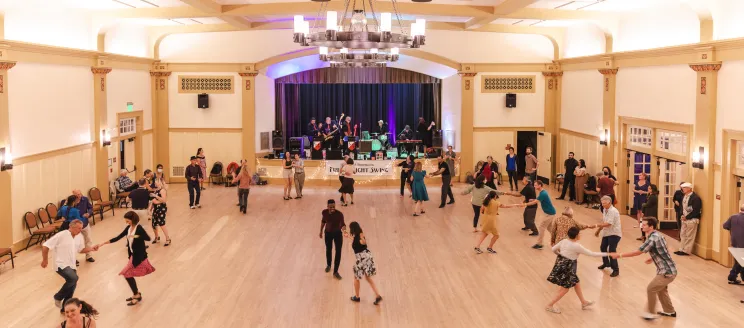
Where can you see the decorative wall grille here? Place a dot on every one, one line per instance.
(127, 126)
(206, 84)
(265, 140)
(508, 84)
(672, 141)
(639, 136)
(178, 171)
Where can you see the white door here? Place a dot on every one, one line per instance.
(544, 155)
(128, 155)
(670, 177)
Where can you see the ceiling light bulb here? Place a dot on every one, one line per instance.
(331, 19)
(421, 25)
(394, 51)
(373, 50)
(344, 50)
(323, 50)
(298, 23)
(386, 22)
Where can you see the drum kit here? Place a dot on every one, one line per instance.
(379, 141)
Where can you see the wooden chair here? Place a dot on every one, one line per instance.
(7, 252)
(99, 205)
(46, 220)
(37, 234)
(120, 198)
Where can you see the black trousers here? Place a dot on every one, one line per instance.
(529, 218)
(446, 189)
(476, 215)
(609, 245)
(194, 188)
(332, 238)
(568, 184)
(736, 270)
(513, 177)
(533, 176)
(403, 181)
(132, 285)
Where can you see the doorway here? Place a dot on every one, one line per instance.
(638, 163)
(671, 175)
(525, 139)
(127, 154)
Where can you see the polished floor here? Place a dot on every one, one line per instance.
(265, 269)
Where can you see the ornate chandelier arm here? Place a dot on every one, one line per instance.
(397, 16)
(374, 14)
(317, 17)
(346, 11)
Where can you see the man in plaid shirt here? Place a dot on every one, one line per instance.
(666, 270)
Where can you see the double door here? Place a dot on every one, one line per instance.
(638, 163)
(671, 175)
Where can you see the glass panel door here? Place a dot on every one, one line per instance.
(639, 163)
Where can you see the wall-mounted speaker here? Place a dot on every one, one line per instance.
(203, 100)
(436, 140)
(277, 140)
(511, 100)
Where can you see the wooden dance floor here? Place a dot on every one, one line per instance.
(266, 269)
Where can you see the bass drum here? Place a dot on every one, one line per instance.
(376, 145)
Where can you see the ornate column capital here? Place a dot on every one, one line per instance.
(100, 70)
(246, 74)
(467, 74)
(159, 74)
(706, 67)
(6, 65)
(608, 71)
(552, 74)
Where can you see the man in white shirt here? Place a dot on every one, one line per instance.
(66, 244)
(611, 234)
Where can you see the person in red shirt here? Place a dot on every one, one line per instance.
(606, 187)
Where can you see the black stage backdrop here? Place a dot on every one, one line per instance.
(398, 104)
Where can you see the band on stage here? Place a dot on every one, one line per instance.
(343, 134)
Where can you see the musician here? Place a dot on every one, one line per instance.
(312, 128)
(406, 134)
(350, 133)
(425, 132)
(382, 130)
(330, 129)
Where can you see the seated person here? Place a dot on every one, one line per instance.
(125, 183)
(71, 211)
(590, 190)
(83, 204)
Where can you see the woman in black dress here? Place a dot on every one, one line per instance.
(138, 265)
(159, 208)
(347, 185)
(364, 267)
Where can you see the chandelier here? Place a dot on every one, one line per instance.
(354, 42)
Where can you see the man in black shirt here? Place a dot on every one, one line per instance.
(193, 177)
(334, 227)
(312, 129)
(528, 192)
(446, 179)
(140, 198)
(569, 178)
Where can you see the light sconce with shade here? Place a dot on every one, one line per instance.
(105, 138)
(6, 159)
(698, 158)
(604, 137)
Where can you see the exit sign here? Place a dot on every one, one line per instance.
(130, 106)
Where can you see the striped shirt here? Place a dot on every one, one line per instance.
(656, 246)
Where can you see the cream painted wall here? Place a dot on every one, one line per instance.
(42, 22)
(491, 143)
(588, 150)
(727, 22)
(254, 46)
(38, 183)
(128, 86)
(59, 118)
(490, 108)
(655, 93)
(582, 97)
(224, 147)
(265, 108)
(451, 111)
(147, 152)
(225, 110)
(730, 113)
(128, 39)
(583, 39)
(668, 25)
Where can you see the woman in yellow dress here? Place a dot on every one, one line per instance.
(489, 221)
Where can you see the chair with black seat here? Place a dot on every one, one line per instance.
(99, 205)
(37, 234)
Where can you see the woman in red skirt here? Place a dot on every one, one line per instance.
(138, 265)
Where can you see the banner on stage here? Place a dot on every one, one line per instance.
(366, 168)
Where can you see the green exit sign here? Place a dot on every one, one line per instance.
(130, 106)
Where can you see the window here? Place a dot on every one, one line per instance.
(672, 142)
(127, 126)
(639, 136)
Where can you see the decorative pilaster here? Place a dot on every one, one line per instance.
(706, 94)
(609, 77)
(100, 122)
(467, 73)
(552, 111)
(160, 119)
(6, 205)
(248, 88)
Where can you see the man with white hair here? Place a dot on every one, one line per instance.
(692, 209)
(735, 225)
(65, 245)
(611, 233)
(125, 183)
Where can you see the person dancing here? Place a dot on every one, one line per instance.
(78, 313)
(364, 267)
(347, 186)
(202, 165)
(405, 174)
(418, 187)
(480, 190)
(490, 171)
(490, 221)
(341, 175)
(333, 224)
(287, 174)
(159, 208)
(446, 179)
(564, 270)
(244, 187)
(138, 265)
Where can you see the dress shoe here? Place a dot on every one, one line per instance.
(336, 275)
(601, 267)
(451, 202)
(615, 273)
(441, 206)
(328, 269)
(90, 259)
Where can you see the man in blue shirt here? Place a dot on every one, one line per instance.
(86, 212)
(548, 211)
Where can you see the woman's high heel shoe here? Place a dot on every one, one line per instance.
(135, 298)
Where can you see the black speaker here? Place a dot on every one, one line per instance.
(296, 145)
(365, 146)
(511, 100)
(436, 140)
(203, 100)
(277, 140)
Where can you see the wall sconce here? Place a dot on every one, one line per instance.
(6, 159)
(604, 138)
(105, 138)
(698, 160)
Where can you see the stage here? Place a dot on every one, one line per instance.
(370, 173)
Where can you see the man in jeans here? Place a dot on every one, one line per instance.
(611, 233)
(335, 229)
(735, 224)
(65, 245)
(193, 178)
(444, 171)
(666, 270)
